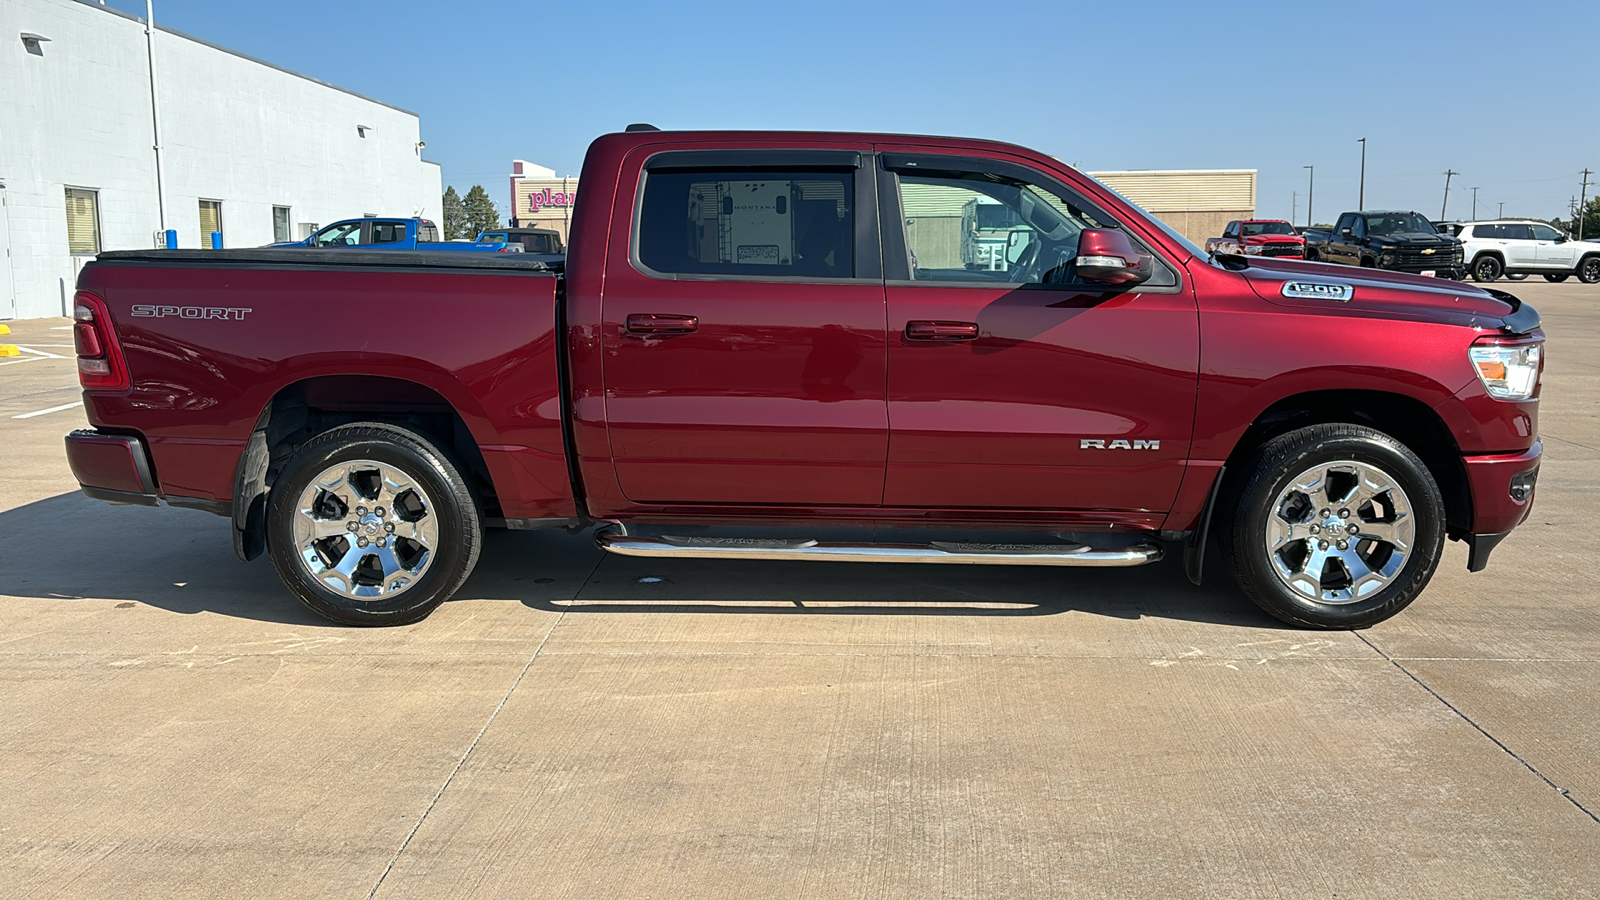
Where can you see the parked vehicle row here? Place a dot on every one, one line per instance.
(392, 234)
(782, 330)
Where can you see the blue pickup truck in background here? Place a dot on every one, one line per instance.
(393, 234)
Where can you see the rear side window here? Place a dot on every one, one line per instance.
(388, 232)
(1517, 232)
(748, 223)
(1486, 231)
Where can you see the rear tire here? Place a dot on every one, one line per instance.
(1486, 269)
(371, 524)
(1589, 270)
(1555, 279)
(1316, 488)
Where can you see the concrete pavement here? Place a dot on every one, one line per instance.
(578, 726)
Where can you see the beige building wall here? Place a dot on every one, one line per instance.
(1197, 203)
(540, 198)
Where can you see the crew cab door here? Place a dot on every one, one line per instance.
(1346, 247)
(1553, 250)
(1026, 388)
(743, 329)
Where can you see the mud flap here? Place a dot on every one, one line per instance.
(250, 499)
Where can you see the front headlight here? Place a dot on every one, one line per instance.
(1252, 249)
(1508, 371)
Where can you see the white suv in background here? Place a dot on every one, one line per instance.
(1522, 247)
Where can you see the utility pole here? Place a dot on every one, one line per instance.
(1361, 203)
(1294, 206)
(1311, 194)
(1474, 204)
(1583, 201)
(1502, 213)
(1448, 174)
(155, 111)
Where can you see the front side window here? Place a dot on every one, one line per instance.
(982, 227)
(748, 223)
(346, 234)
(1232, 230)
(83, 222)
(1545, 233)
(280, 224)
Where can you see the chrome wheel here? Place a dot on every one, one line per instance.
(365, 529)
(1340, 532)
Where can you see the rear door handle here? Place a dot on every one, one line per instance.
(941, 331)
(657, 323)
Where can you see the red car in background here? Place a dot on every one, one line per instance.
(1259, 237)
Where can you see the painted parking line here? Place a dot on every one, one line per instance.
(23, 359)
(46, 412)
(45, 354)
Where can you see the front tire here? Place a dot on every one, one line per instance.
(1486, 269)
(371, 524)
(1337, 526)
(1589, 270)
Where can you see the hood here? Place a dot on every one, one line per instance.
(1394, 294)
(1416, 237)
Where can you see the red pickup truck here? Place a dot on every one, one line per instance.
(775, 333)
(1259, 237)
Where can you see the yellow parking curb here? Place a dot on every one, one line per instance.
(5, 329)
(9, 350)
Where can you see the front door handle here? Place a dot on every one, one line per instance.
(941, 331)
(656, 323)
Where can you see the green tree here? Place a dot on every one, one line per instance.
(455, 215)
(1591, 221)
(481, 214)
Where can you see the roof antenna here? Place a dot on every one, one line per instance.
(641, 126)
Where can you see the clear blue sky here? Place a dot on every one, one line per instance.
(1507, 94)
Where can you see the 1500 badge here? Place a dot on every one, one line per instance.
(1119, 444)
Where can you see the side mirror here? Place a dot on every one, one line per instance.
(1106, 256)
(1561, 239)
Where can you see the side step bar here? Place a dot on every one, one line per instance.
(934, 552)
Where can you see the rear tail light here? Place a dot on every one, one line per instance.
(100, 364)
(1509, 370)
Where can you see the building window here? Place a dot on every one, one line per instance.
(83, 222)
(307, 229)
(210, 220)
(280, 224)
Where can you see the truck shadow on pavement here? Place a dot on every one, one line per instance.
(71, 548)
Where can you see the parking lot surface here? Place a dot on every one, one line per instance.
(584, 726)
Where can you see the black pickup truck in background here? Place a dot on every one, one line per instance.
(1400, 241)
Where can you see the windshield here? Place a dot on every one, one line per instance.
(1398, 223)
(1252, 229)
(1164, 228)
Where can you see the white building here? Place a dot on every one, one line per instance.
(248, 149)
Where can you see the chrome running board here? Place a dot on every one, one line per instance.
(981, 554)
